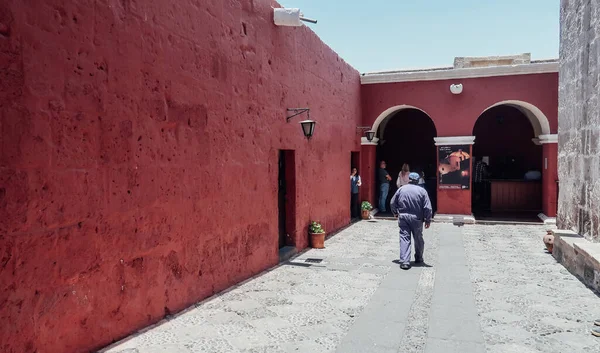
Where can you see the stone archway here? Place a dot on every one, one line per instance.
(406, 135)
(508, 136)
(537, 118)
(382, 119)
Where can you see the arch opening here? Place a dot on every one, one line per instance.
(508, 163)
(406, 136)
(536, 117)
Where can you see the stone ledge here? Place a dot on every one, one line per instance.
(452, 218)
(579, 256)
(547, 220)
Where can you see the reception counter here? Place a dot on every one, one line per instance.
(515, 195)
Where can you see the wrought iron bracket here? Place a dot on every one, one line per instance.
(297, 111)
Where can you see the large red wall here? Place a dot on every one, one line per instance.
(139, 154)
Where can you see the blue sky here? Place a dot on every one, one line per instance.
(375, 35)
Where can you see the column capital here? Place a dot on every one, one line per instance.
(550, 138)
(365, 142)
(454, 140)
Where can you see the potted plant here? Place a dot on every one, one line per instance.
(317, 235)
(366, 209)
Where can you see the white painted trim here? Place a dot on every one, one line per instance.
(549, 138)
(386, 113)
(536, 117)
(454, 140)
(452, 74)
(547, 220)
(536, 141)
(365, 142)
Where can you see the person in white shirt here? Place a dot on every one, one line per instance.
(403, 176)
(422, 180)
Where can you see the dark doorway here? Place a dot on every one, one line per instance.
(286, 197)
(510, 188)
(407, 137)
(355, 163)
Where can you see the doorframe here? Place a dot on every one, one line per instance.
(289, 157)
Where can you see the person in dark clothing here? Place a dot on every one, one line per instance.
(384, 186)
(355, 183)
(480, 185)
(412, 207)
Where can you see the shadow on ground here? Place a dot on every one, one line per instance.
(413, 264)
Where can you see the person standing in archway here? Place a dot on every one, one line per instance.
(403, 176)
(480, 189)
(412, 207)
(355, 183)
(384, 186)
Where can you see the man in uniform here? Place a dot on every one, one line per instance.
(412, 207)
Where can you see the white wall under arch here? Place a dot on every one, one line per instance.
(381, 119)
(538, 120)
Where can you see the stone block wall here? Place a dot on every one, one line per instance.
(579, 118)
(485, 61)
(139, 158)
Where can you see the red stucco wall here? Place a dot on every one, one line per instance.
(550, 180)
(138, 164)
(455, 115)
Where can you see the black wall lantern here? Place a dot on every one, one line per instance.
(369, 134)
(308, 126)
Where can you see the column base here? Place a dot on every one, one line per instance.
(452, 218)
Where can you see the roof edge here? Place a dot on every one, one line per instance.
(449, 73)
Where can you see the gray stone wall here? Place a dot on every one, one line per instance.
(579, 118)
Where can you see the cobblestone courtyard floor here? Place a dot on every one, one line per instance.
(485, 289)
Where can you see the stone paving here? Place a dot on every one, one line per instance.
(483, 289)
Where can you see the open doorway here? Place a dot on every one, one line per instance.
(507, 169)
(406, 136)
(286, 197)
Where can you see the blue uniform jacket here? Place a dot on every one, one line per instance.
(412, 199)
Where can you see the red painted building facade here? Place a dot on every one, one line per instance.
(141, 148)
(523, 96)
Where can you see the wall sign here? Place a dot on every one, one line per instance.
(454, 167)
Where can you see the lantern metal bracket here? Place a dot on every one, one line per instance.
(368, 133)
(297, 111)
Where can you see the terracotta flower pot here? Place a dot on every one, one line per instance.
(549, 241)
(317, 241)
(365, 214)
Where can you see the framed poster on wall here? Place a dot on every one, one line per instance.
(454, 167)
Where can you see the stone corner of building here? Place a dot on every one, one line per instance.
(579, 256)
